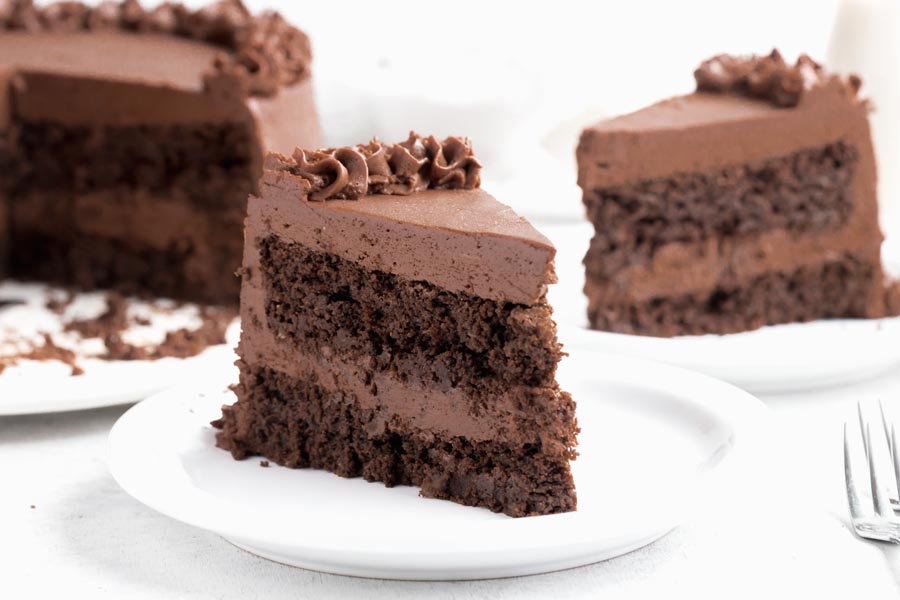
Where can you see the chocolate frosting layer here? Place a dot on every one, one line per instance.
(263, 52)
(768, 78)
(459, 240)
(352, 172)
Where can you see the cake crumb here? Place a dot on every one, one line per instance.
(49, 351)
(181, 343)
(264, 463)
(109, 326)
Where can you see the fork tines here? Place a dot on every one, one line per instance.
(872, 506)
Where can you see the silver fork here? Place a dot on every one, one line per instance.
(873, 515)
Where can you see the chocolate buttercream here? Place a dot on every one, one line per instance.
(352, 172)
(768, 78)
(263, 52)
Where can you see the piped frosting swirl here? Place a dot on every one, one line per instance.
(768, 78)
(263, 51)
(404, 168)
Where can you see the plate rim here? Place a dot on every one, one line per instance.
(755, 378)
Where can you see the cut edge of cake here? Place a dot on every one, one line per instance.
(396, 328)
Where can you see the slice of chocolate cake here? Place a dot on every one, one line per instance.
(747, 203)
(130, 139)
(395, 327)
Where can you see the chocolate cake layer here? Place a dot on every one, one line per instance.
(391, 232)
(529, 413)
(190, 267)
(160, 105)
(209, 164)
(402, 338)
(701, 196)
(412, 329)
(298, 423)
(157, 220)
(808, 190)
(153, 209)
(838, 288)
(458, 240)
(700, 266)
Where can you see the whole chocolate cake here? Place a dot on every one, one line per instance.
(130, 139)
(395, 326)
(747, 203)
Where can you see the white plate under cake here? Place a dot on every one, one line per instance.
(645, 427)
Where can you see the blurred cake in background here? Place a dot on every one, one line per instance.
(130, 139)
(866, 40)
(747, 203)
(395, 326)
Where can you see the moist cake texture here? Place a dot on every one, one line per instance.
(130, 139)
(395, 327)
(747, 203)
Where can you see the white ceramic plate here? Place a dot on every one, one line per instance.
(771, 359)
(48, 386)
(653, 438)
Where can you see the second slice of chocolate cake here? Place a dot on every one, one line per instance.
(750, 202)
(396, 327)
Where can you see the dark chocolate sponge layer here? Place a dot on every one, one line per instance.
(808, 190)
(206, 167)
(93, 262)
(834, 289)
(302, 424)
(412, 329)
(209, 163)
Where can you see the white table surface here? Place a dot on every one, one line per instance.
(67, 528)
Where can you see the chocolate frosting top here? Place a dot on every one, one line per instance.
(768, 78)
(262, 51)
(404, 168)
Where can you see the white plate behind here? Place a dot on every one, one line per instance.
(48, 386)
(647, 430)
(771, 359)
